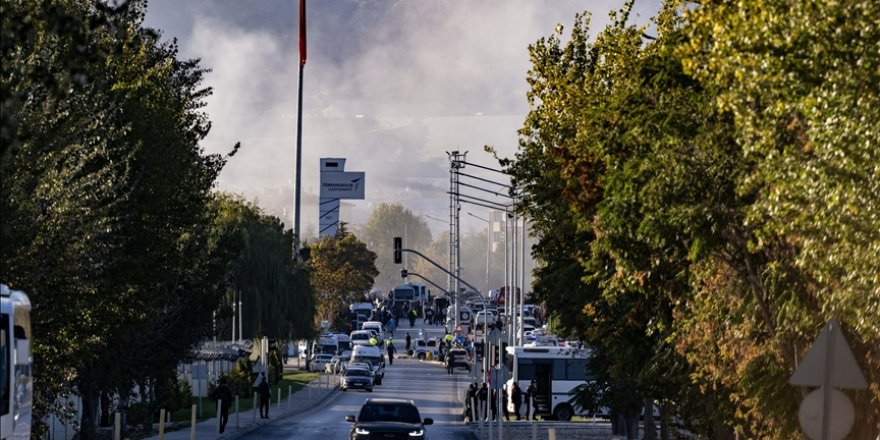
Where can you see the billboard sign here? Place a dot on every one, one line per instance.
(342, 185)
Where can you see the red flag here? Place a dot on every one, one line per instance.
(302, 32)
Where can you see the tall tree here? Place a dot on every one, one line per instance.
(386, 222)
(342, 271)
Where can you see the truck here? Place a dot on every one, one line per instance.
(16, 365)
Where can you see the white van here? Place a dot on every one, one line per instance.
(371, 354)
(375, 325)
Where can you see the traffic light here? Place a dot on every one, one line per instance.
(404, 273)
(398, 250)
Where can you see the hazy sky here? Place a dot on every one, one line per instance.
(391, 85)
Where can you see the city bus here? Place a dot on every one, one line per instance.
(16, 376)
(411, 293)
(556, 372)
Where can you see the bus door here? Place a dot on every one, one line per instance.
(544, 382)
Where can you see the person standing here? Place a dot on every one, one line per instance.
(389, 346)
(265, 397)
(483, 396)
(392, 324)
(469, 402)
(408, 341)
(531, 392)
(516, 399)
(450, 362)
(494, 404)
(223, 397)
(504, 404)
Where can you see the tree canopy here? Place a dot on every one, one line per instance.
(705, 200)
(108, 217)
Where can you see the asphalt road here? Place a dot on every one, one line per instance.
(436, 394)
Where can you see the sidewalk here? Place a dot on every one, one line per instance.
(246, 421)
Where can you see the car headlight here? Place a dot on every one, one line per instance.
(417, 433)
(361, 431)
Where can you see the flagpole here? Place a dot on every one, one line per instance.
(298, 190)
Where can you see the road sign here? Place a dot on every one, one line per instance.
(828, 414)
(845, 371)
(840, 419)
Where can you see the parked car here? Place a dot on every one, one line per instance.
(388, 418)
(422, 347)
(334, 366)
(371, 354)
(320, 361)
(360, 337)
(356, 378)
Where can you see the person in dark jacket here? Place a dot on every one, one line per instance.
(516, 399)
(483, 397)
(469, 402)
(450, 362)
(531, 392)
(223, 397)
(265, 397)
(408, 341)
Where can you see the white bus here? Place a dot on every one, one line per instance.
(16, 377)
(556, 372)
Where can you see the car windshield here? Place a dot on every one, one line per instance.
(389, 412)
(360, 373)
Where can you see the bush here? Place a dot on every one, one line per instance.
(241, 379)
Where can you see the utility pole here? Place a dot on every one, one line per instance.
(456, 162)
(299, 110)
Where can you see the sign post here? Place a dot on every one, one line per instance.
(826, 413)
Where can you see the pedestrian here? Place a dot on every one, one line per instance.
(505, 411)
(265, 397)
(408, 341)
(223, 397)
(531, 392)
(483, 395)
(493, 404)
(469, 406)
(389, 346)
(392, 324)
(516, 399)
(450, 362)
(429, 314)
(413, 314)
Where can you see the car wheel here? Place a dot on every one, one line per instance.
(421, 356)
(563, 412)
(369, 390)
(344, 389)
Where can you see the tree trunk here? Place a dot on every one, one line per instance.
(89, 419)
(650, 428)
(664, 421)
(631, 416)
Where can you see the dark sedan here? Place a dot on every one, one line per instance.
(356, 378)
(391, 419)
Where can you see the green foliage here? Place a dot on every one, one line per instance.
(108, 221)
(241, 379)
(695, 197)
(342, 270)
(386, 222)
(277, 299)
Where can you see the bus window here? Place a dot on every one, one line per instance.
(559, 368)
(576, 369)
(526, 371)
